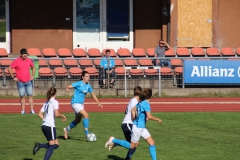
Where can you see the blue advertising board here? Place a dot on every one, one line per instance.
(212, 71)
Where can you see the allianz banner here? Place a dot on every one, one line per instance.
(212, 71)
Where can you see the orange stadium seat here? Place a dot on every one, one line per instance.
(34, 52)
(45, 72)
(212, 52)
(60, 72)
(176, 62)
(55, 62)
(197, 52)
(136, 72)
(227, 52)
(145, 62)
(170, 53)
(151, 72)
(130, 62)
(150, 52)
(178, 70)
(92, 71)
(138, 52)
(238, 51)
(96, 62)
(49, 52)
(5, 62)
(120, 71)
(69, 62)
(112, 52)
(166, 71)
(75, 72)
(182, 52)
(43, 63)
(3, 52)
(7, 74)
(123, 52)
(79, 52)
(118, 62)
(85, 63)
(64, 52)
(94, 52)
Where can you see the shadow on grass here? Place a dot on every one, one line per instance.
(70, 138)
(113, 157)
(27, 159)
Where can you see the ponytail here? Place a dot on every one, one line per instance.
(146, 94)
(51, 92)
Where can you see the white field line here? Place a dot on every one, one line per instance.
(112, 103)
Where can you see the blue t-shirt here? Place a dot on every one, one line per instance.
(142, 108)
(104, 63)
(80, 91)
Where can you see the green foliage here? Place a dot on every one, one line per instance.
(182, 136)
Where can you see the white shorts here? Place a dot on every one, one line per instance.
(77, 108)
(137, 133)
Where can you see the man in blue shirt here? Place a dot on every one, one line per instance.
(107, 66)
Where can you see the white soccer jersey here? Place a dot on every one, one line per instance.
(128, 117)
(48, 109)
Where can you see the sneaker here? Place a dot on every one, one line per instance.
(109, 142)
(65, 133)
(23, 112)
(111, 146)
(32, 112)
(36, 148)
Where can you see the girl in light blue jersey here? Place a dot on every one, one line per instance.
(140, 113)
(81, 88)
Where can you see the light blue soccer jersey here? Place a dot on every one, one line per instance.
(142, 108)
(104, 63)
(80, 91)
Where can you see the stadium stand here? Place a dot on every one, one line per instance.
(85, 63)
(150, 52)
(120, 72)
(170, 53)
(112, 52)
(197, 52)
(94, 52)
(55, 62)
(182, 52)
(238, 51)
(130, 62)
(7, 74)
(212, 52)
(136, 73)
(145, 62)
(69, 62)
(43, 63)
(45, 72)
(118, 62)
(60, 72)
(92, 71)
(227, 52)
(75, 72)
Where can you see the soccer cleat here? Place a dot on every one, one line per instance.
(65, 133)
(36, 148)
(23, 112)
(109, 142)
(32, 112)
(111, 146)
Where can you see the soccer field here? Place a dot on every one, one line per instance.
(182, 136)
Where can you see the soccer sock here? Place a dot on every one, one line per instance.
(85, 125)
(152, 150)
(122, 143)
(49, 152)
(56, 146)
(45, 145)
(71, 125)
(130, 152)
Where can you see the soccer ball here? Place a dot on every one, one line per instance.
(91, 137)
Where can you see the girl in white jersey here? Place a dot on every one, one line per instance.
(127, 121)
(140, 113)
(47, 114)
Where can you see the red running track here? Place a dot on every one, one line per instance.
(119, 105)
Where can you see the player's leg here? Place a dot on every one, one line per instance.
(76, 107)
(127, 129)
(85, 116)
(152, 149)
(29, 91)
(52, 141)
(21, 91)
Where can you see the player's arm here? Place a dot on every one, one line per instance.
(68, 88)
(150, 117)
(40, 115)
(133, 112)
(58, 115)
(96, 99)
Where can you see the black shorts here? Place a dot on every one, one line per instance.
(127, 130)
(49, 132)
